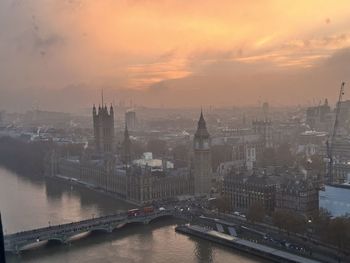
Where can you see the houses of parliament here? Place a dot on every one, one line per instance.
(139, 181)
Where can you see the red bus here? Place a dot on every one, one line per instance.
(134, 212)
(148, 209)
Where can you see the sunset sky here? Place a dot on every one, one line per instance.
(59, 54)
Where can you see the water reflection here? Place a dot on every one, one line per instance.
(203, 251)
(28, 202)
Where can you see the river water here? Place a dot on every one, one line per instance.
(27, 203)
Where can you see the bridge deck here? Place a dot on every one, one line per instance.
(16, 242)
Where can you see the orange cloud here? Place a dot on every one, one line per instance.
(134, 44)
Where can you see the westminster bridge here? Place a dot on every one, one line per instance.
(63, 233)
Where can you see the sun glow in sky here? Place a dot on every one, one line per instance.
(167, 45)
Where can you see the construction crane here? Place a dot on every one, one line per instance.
(330, 144)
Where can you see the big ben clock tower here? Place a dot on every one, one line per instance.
(202, 170)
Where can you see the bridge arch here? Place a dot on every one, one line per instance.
(61, 240)
(160, 216)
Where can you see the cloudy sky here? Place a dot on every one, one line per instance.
(59, 54)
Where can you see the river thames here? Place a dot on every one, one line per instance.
(28, 203)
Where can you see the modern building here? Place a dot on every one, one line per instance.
(310, 143)
(319, 117)
(130, 119)
(103, 129)
(341, 160)
(202, 169)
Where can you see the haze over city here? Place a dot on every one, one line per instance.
(59, 54)
(152, 131)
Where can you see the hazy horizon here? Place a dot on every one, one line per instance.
(59, 54)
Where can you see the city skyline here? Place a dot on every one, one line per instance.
(60, 54)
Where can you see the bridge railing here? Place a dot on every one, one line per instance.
(86, 223)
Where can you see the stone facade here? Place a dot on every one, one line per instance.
(139, 181)
(145, 185)
(244, 191)
(298, 196)
(103, 129)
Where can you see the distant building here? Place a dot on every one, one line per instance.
(344, 114)
(279, 191)
(341, 160)
(202, 170)
(264, 129)
(244, 191)
(311, 142)
(265, 110)
(103, 129)
(140, 181)
(39, 117)
(298, 196)
(130, 119)
(103, 173)
(319, 117)
(127, 153)
(244, 144)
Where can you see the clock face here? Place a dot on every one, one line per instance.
(196, 144)
(201, 144)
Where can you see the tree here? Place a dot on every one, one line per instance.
(256, 212)
(25, 158)
(289, 221)
(338, 232)
(279, 219)
(223, 204)
(320, 222)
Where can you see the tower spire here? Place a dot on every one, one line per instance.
(102, 97)
(201, 122)
(126, 146)
(126, 131)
